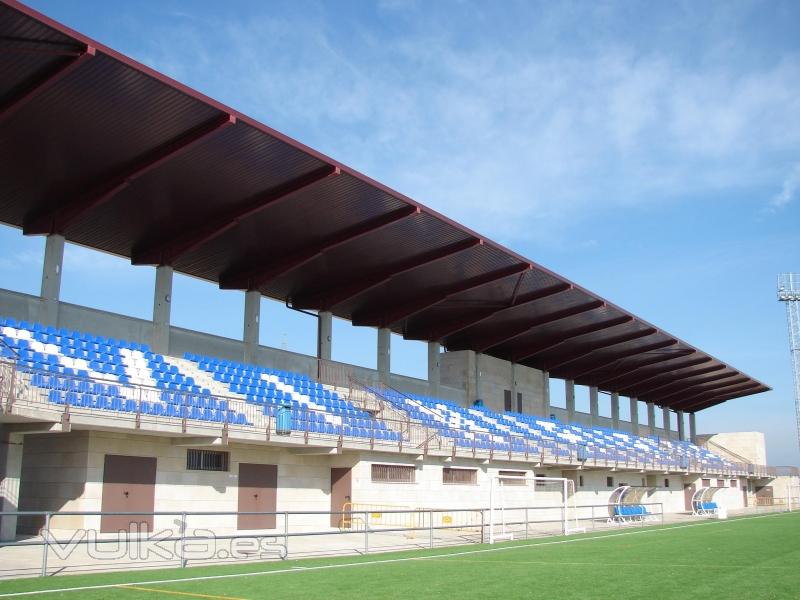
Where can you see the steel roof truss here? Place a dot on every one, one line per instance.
(254, 278)
(174, 245)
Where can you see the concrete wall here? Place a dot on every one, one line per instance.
(459, 370)
(54, 477)
(81, 318)
(64, 472)
(750, 445)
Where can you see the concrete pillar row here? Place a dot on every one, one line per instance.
(546, 393)
(51, 279)
(434, 367)
(324, 334)
(692, 428)
(384, 359)
(614, 410)
(569, 387)
(162, 308)
(11, 471)
(594, 405)
(634, 416)
(665, 416)
(651, 417)
(252, 318)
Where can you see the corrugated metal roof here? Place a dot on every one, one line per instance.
(119, 157)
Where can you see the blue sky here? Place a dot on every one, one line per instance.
(648, 151)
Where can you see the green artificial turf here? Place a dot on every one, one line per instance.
(757, 557)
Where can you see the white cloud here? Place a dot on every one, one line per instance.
(497, 132)
(791, 185)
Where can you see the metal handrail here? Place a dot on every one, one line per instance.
(516, 447)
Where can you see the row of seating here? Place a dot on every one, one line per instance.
(98, 371)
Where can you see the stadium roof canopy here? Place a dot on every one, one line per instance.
(118, 157)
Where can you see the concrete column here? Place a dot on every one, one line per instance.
(162, 306)
(569, 387)
(651, 417)
(634, 416)
(10, 471)
(384, 354)
(434, 368)
(594, 405)
(681, 432)
(546, 394)
(513, 387)
(665, 417)
(324, 334)
(692, 428)
(252, 317)
(478, 390)
(51, 278)
(614, 410)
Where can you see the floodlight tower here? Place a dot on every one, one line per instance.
(789, 292)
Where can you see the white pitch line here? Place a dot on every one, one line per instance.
(378, 562)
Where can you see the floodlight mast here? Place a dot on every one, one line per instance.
(789, 292)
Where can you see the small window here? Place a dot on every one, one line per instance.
(507, 400)
(706, 483)
(504, 474)
(666, 483)
(733, 483)
(393, 474)
(459, 476)
(720, 483)
(609, 482)
(206, 460)
(580, 480)
(519, 402)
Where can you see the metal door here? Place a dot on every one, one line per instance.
(258, 492)
(341, 494)
(129, 485)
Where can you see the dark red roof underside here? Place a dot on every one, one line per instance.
(121, 158)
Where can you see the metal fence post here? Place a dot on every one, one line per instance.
(46, 538)
(286, 532)
(593, 523)
(483, 527)
(182, 541)
(430, 527)
(366, 533)
(527, 520)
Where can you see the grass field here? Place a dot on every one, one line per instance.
(751, 557)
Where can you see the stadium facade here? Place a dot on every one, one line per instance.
(104, 412)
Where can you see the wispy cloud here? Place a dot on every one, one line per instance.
(506, 131)
(790, 188)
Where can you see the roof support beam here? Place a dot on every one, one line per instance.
(496, 339)
(623, 355)
(556, 341)
(254, 278)
(615, 341)
(668, 377)
(330, 298)
(692, 391)
(490, 312)
(692, 403)
(620, 380)
(43, 82)
(56, 219)
(170, 247)
(689, 380)
(719, 399)
(401, 312)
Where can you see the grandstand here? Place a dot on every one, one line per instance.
(111, 423)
